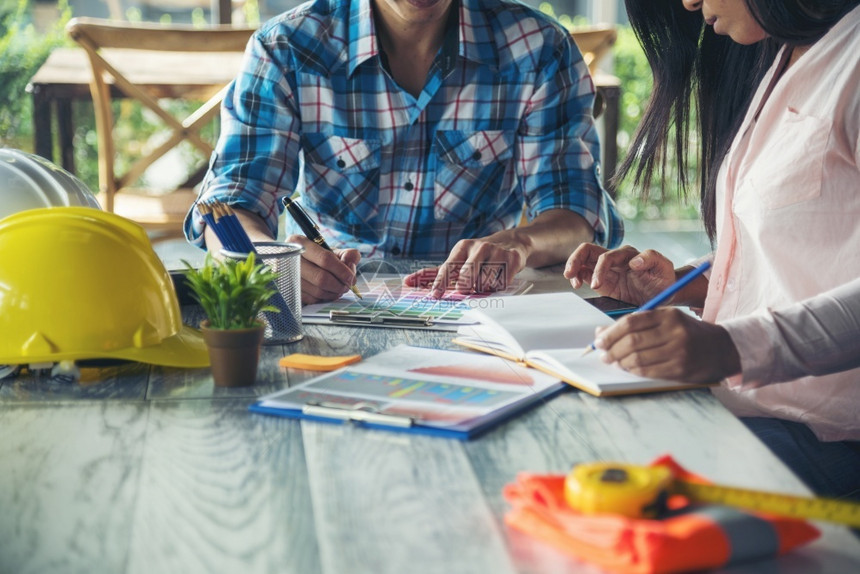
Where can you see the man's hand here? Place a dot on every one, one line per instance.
(667, 343)
(474, 266)
(490, 263)
(326, 275)
(622, 273)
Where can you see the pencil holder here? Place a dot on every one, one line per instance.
(285, 260)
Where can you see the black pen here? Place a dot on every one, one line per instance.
(310, 229)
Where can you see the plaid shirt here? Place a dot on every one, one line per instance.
(504, 119)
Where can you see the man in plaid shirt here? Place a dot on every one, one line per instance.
(413, 128)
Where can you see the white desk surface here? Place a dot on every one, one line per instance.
(156, 470)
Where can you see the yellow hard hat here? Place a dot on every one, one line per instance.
(79, 283)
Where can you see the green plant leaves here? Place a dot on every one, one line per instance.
(23, 50)
(232, 292)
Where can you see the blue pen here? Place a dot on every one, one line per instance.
(665, 294)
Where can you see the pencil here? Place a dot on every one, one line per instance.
(664, 295)
(209, 217)
(239, 240)
(238, 231)
(233, 237)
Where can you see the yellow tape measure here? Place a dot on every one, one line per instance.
(641, 492)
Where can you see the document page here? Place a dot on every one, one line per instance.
(591, 373)
(534, 322)
(432, 386)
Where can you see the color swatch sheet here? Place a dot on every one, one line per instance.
(431, 386)
(386, 296)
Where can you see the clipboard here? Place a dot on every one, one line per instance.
(402, 398)
(379, 319)
(373, 420)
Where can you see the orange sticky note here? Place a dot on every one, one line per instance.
(317, 362)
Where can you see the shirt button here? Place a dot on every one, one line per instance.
(395, 250)
(408, 186)
(341, 164)
(730, 285)
(476, 156)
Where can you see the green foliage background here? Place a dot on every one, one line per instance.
(661, 200)
(22, 51)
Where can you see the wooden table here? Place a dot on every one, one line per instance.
(65, 77)
(155, 470)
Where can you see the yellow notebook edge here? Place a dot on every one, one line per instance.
(524, 362)
(667, 387)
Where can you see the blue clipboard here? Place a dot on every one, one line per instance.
(336, 414)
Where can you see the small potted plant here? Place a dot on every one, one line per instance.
(232, 292)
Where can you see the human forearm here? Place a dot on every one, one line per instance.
(546, 241)
(549, 238)
(817, 336)
(693, 294)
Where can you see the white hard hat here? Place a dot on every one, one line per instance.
(28, 181)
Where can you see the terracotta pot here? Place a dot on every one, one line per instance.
(234, 354)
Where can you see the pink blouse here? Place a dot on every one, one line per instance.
(788, 223)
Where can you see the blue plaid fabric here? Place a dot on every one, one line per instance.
(503, 120)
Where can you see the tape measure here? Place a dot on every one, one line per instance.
(642, 492)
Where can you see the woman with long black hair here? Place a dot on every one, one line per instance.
(773, 89)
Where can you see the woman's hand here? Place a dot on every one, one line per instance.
(667, 343)
(622, 273)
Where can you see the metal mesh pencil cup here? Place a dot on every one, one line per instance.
(285, 260)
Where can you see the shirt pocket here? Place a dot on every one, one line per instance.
(474, 172)
(791, 169)
(342, 180)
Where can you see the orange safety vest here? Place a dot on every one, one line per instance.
(690, 538)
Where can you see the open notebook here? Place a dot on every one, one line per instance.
(549, 332)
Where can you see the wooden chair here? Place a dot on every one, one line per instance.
(117, 52)
(594, 42)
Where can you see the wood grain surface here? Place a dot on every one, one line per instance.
(155, 470)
